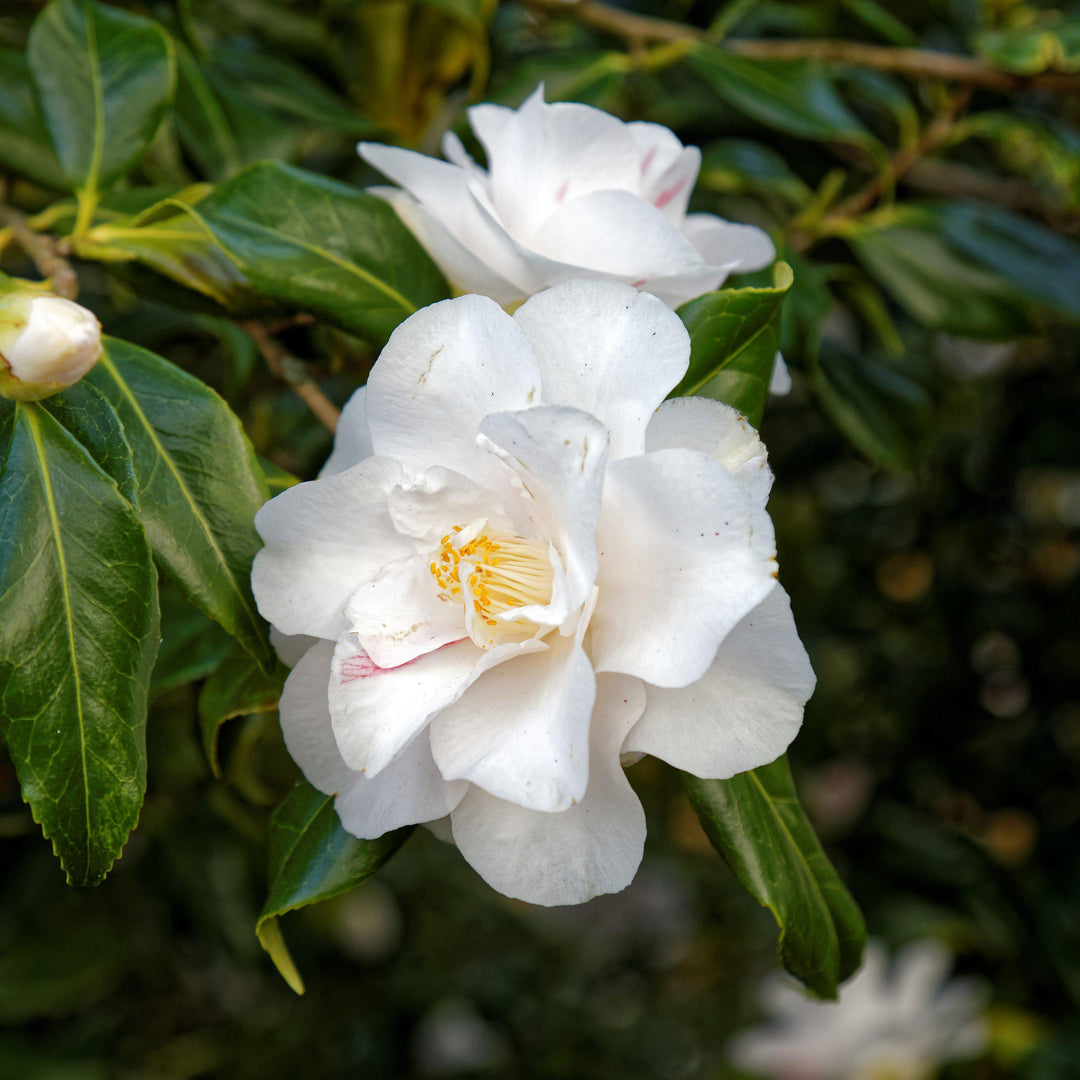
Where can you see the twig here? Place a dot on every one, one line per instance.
(293, 371)
(915, 63)
(43, 250)
(937, 132)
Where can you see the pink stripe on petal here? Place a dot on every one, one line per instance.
(669, 193)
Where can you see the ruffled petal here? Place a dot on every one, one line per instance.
(376, 712)
(398, 615)
(569, 857)
(409, 791)
(716, 429)
(744, 711)
(560, 455)
(521, 731)
(443, 370)
(352, 439)
(678, 566)
(431, 504)
(670, 191)
(609, 350)
(323, 540)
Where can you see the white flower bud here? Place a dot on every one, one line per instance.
(47, 343)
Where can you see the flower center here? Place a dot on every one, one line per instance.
(491, 573)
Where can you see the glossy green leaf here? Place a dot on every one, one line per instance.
(24, 146)
(756, 823)
(735, 166)
(313, 243)
(104, 78)
(192, 647)
(935, 283)
(239, 687)
(880, 410)
(734, 337)
(199, 484)
(796, 96)
(78, 637)
(88, 416)
(313, 858)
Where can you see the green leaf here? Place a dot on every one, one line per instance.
(104, 78)
(734, 337)
(239, 687)
(192, 646)
(313, 243)
(78, 637)
(880, 410)
(935, 283)
(199, 484)
(201, 122)
(88, 416)
(25, 145)
(756, 823)
(737, 166)
(1041, 265)
(313, 858)
(796, 96)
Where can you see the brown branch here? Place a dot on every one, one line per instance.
(43, 251)
(915, 63)
(294, 372)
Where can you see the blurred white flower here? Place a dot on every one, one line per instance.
(898, 1024)
(570, 192)
(519, 564)
(47, 343)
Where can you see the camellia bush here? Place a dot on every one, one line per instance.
(381, 388)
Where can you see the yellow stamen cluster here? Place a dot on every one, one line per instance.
(502, 571)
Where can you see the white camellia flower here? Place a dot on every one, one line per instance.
(47, 343)
(519, 565)
(902, 1024)
(570, 192)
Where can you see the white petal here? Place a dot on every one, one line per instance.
(618, 233)
(290, 647)
(658, 149)
(443, 370)
(670, 191)
(604, 348)
(456, 154)
(454, 198)
(463, 268)
(398, 615)
(408, 791)
(352, 439)
(305, 722)
(744, 711)
(521, 731)
(780, 383)
(560, 455)
(543, 156)
(567, 857)
(678, 566)
(728, 246)
(323, 540)
(718, 430)
(376, 712)
(430, 505)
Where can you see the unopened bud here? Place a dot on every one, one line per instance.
(47, 343)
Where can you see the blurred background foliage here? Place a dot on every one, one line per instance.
(919, 168)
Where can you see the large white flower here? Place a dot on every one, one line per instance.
(570, 192)
(899, 1024)
(517, 567)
